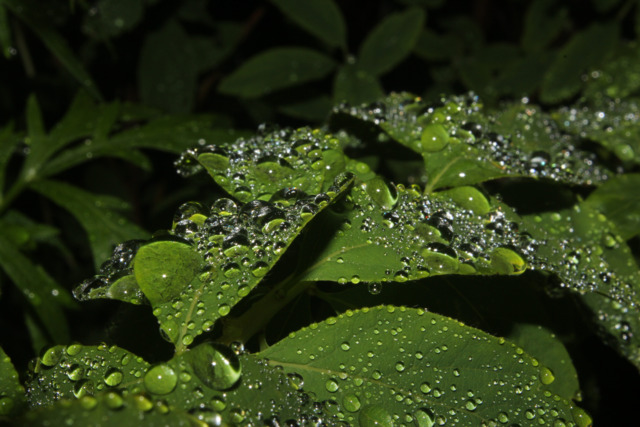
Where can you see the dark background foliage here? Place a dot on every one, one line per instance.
(182, 58)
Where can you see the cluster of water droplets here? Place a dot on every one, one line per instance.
(255, 168)
(527, 144)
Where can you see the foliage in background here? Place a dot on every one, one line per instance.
(564, 217)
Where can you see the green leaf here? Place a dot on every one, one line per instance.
(613, 123)
(76, 370)
(420, 366)
(463, 145)
(45, 296)
(110, 18)
(167, 70)
(586, 50)
(104, 227)
(436, 47)
(619, 200)
(8, 143)
(208, 385)
(618, 77)
(543, 344)
(355, 86)
(322, 18)
(31, 14)
(544, 21)
(11, 391)
(188, 294)
(259, 167)
(390, 41)
(275, 69)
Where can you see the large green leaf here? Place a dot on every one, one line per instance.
(97, 215)
(168, 69)
(322, 18)
(32, 14)
(275, 69)
(11, 391)
(544, 21)
(618, 77)
(214, 260)
(586, 49)
(45, 296)
(462, 145)
(390, 41)
(209, 385)
(413, 366)
(619, 200)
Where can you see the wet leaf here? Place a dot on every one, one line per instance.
(618, 77)
(549, 351)
(613, 123)
(390, 41)
(463, 145)
(618, 199)
(105, 227)
(210, 384)
(276, 69)
(12, 397)
(585, 50)
(214, 259)
(418, 366)
(322, 18)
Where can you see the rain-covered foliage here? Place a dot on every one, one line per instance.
(413, 214)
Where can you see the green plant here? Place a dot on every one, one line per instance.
(358, 271)
(305, 213)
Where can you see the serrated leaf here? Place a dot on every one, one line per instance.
(215, 259)
(463, 145)
(275, 69)
(322, 18)
(586, 49)
(168, 69)
(11, 391)
(418, 365)
(613, 123)
(390, 41)
(45, 296)
(105, 228)
(545, 346)
(356, 86)
(31, 14)
(111, 18)
(209, 384)
(543, 22)
(619, 200)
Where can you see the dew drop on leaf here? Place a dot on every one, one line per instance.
(113, 400)
(351, 403)
(546, 376)
(160, 379)
(424, 418)
(434, 138)
(216, 365)
(506, 261)
(113, 377)
(51, 356)
(331, 385)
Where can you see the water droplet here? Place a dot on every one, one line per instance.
(581, 418)
(142, 403)
(74, 349)
(351, 403)
(399, 366)
(345, 346)
(83, 388)
(216, 365)
(331, 385)
(113, 377)
(434, 138)
(295, 381)
(374, 288)
(75, 372)
(51, 356)
(6, 405)
(113, 400)
(424, 418)
(546, 376)
(160, 379)
(224, 309)
(506, 261)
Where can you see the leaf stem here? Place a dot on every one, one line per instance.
(253, 320)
